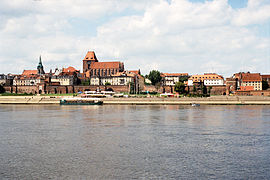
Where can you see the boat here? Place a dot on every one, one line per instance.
(81, 101)
(195, 105)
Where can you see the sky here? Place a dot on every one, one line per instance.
(185, 36)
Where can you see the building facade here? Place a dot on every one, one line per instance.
(208, 79)
(92, 67)
(169, 79)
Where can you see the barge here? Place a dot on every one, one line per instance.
(81, 101)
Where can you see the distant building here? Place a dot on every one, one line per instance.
(65, 76)
(169, 79)
(6, 80)
(92, 67)
(31, 77)
(125, 78)
(208, 79)
(28, 80)
(244, 82)
(253, 80)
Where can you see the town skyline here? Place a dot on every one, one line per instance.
(46, 70)
(212, 36)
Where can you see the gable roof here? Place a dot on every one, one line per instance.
(175, 74)
(265, 76)
(203, 77)
(251, 77)
(69, 69)
(29, 72)
(138, 72)
(106, 65)
(90, 56)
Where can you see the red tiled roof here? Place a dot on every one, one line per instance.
(197, 78)
(28, 72)
(175, 74)
(265, 76)
(90, 56)
(106, 65)
(69, 69)
(138, 72)
(251, 77)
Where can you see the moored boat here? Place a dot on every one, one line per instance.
(195, 105)
(81, 101)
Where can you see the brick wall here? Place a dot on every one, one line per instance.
(260, 93)
(218, 90)
(25, 89)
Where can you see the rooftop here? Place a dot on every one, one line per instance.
(29, 72)
(251, 77)
(106, 65)
(91, 56)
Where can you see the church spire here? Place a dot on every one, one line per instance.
(40, 67)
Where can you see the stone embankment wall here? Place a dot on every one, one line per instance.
(215, 100)
(62, 89)
(29, 100)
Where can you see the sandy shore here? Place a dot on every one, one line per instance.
(214, 100)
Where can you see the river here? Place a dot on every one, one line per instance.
(134, 142)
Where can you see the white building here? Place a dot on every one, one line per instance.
(208, 79)
(169, 79)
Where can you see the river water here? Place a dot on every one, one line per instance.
(130, 142)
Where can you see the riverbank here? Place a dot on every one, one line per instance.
(214, 100)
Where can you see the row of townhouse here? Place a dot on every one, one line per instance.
(238, 82)
(28, 78)
(246, 82)
(208, 79)
(125, 78)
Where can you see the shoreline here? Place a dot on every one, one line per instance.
(213, 100)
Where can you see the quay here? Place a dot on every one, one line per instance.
(213, 100)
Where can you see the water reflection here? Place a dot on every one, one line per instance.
(124, 142)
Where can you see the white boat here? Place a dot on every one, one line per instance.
(195, 105)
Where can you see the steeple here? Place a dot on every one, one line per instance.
(40, 67)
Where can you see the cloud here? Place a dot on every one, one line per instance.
(257, 12)
(179, 36)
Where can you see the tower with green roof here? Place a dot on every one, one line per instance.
(40, 67)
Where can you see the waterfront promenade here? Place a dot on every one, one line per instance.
(214, 100)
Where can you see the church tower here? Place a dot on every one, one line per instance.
(40, 67)
(89, 59)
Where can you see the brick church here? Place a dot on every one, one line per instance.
(92, 67)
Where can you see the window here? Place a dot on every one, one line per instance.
(122, 81)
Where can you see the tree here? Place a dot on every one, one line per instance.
(107, 83)
(265, 85)
(154, 77)
(183, 78)
(204, 89)
(180, 87)
(194, 88)
(2, 90)
(209, 90)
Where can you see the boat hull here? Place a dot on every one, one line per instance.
(80, 102)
